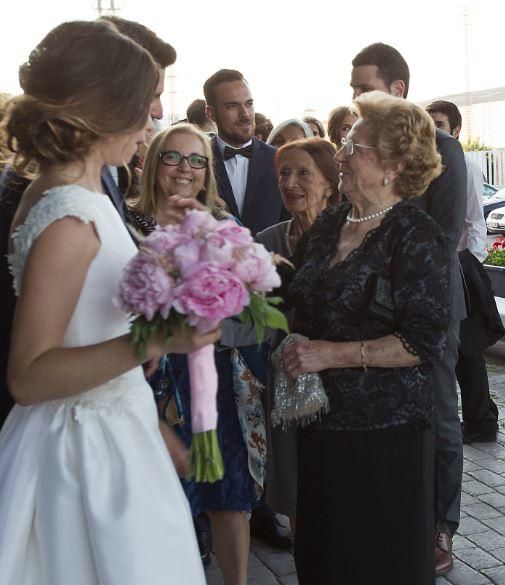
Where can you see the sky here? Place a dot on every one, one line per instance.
(296, 55)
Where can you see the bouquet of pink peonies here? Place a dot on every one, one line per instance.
(197, 273)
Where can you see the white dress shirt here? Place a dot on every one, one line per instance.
(474, 230)
(237, 168)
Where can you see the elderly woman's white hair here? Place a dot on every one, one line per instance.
(306, 129)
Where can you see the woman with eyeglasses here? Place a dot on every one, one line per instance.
(177, 176)
(370, 294)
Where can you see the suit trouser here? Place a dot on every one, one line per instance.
(448, 440)
(480, 413)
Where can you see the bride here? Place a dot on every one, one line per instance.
(88, 493)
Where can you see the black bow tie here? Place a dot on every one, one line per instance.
(229, 152)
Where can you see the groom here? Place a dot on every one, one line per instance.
(163, 55)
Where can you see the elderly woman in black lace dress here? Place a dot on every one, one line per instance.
(370, 294)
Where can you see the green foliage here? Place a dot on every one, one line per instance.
(496, 258)
(142, 330)
(262, 313)
(474, 144)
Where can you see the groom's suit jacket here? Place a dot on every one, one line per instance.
(263, 202)
(445, 201)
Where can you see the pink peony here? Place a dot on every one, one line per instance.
(197, 223)
(186, 255)
(145, 287)
(233, 233)
(210, 294)
(219, 249)
(163, 240)
(257, 270)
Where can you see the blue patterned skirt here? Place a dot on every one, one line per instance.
(236, 491)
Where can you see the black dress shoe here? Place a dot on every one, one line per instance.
(266, 527)
(477, 437)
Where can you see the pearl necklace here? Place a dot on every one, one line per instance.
(369, 217)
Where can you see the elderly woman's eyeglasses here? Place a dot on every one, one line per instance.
(348, 146)
(173, 158)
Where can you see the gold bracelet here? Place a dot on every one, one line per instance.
(363, 360)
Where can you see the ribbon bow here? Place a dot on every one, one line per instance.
(231, 152)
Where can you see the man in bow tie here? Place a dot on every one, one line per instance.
(245, 170)
(247, 181)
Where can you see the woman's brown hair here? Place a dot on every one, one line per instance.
(335, 122)
(83, 81)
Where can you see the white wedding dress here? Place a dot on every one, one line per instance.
(88, 492)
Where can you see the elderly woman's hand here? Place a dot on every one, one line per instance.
(305, 356)
(175, 207)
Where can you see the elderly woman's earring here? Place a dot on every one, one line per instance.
(385, 181)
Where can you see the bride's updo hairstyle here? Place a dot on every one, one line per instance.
(84, 81)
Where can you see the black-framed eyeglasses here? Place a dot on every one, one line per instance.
(173, 158)
(348, 146)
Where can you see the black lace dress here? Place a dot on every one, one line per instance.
(364, 514)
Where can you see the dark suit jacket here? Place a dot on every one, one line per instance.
(115, 195)
(263, 202)
(445, 201)
(10, 196)
(483, 327)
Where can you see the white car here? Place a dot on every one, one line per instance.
(495, 220)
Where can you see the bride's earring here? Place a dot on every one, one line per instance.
(385, 181)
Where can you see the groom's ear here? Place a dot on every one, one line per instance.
(210, 112)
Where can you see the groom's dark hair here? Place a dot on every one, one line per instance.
(390, 64)
(163, 53)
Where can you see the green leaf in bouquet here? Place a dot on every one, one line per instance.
(136, 330)
(257, 303)
(276, 319)
(275, 300)
(244, 317)
(256, 308)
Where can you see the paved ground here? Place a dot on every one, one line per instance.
(479, 547)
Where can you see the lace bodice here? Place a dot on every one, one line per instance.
(395, 283)
(95, 317)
